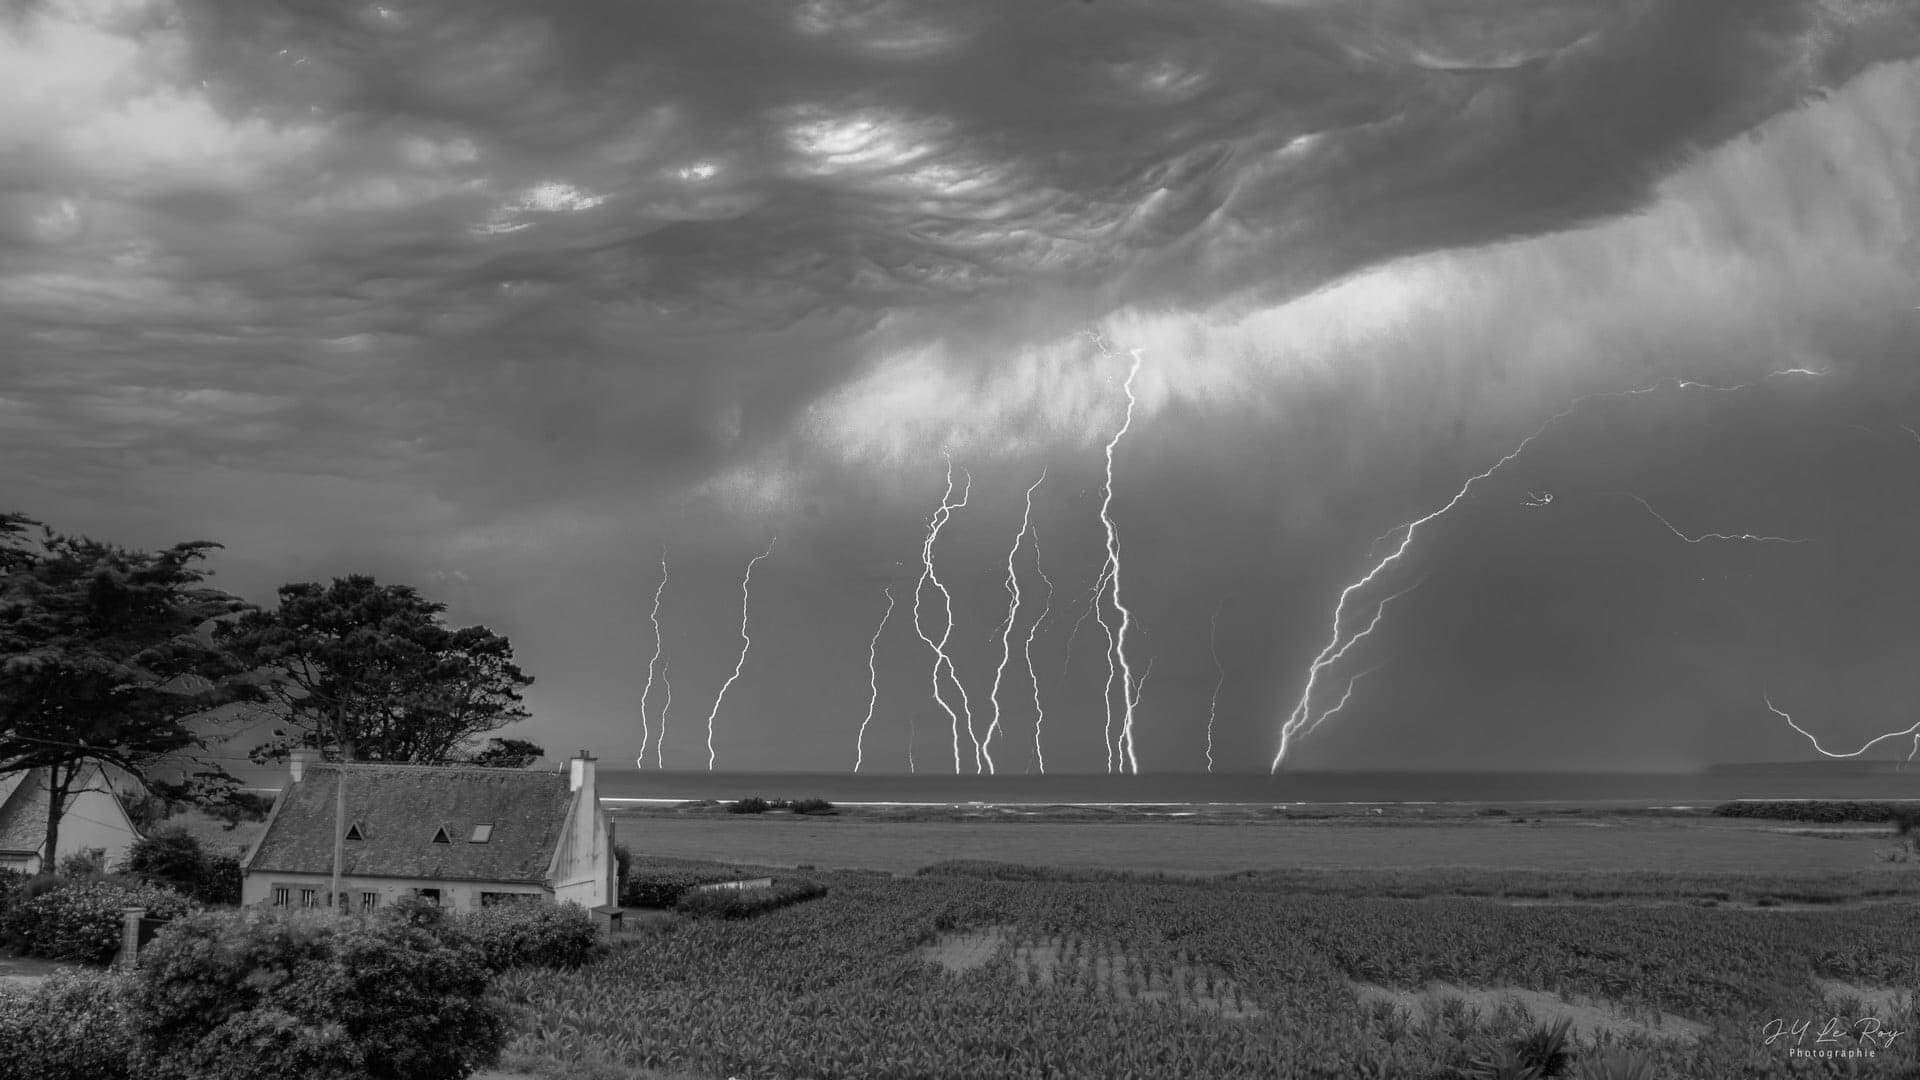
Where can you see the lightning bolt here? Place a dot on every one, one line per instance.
(1704, 537)
(873, 682)
(940, 657)
(1039, 712)
(1130, 696)
(1303, 708)
(1344, 698)
(1910, 431)
(1534, 500)
(660, 744)
(1378, 614)
(1914, 731)
(1213, 707)
(1006, 628)
(641, 761)
(745, 644)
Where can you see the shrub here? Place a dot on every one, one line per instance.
(84, 863)
(174, 858)
(660, 884)
(80, 919)
(11, 882)
(623, 865)
(746, 903)
(73, 1026)
(752, 804)
(820, 807)
(257, 994)
(532, 934)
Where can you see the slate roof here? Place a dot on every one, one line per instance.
(398, 807)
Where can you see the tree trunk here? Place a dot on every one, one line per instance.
(56, 809)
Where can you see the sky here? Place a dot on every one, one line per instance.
(507, 300)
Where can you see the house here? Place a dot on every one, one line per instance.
(459, 836)
(95, 820)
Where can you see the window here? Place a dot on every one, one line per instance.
(440, 836)
(369, 901)
(282, 896)
(432, 896)
(481, 833)
(309, 898)
(354, 832)
(495, 899)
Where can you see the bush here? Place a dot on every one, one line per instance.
(746, 903)
(257, 994)
(1821, 811)
(80, 919)
(173, 857)
(623, 865)
(11, 882)
(532, 934)
(752, 804)
(73, 1026)
(820, 807)
(84, 863)
(660, 884)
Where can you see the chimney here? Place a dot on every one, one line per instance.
(581, 775)
(298, 760)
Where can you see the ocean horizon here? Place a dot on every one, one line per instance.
(1707, 786)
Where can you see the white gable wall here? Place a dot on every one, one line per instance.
(94, 819)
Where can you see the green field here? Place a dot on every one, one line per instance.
(1554, 841)
(957, 974)
(1400, 946)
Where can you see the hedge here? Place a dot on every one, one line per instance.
(530, 934)
(73, 1026)
(259, 994)
(746, 903)
(80, 919)
(659, 883)
(1823, 811)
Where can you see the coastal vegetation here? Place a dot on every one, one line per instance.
(989, 971)
(1903, 816)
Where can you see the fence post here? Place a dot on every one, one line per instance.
(129, 937)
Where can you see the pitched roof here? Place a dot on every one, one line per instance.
(400, 806)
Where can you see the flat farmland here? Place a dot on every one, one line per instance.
(1596, 844)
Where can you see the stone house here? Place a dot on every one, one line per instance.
(459, 836)
(95, 820)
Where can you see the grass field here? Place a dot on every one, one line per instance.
(1573, 842)
(990, 972)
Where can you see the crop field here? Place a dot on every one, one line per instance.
(971, 972)
(1570, 842)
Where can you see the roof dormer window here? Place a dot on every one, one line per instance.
(355, 832)
(481, 833)
(440, 836)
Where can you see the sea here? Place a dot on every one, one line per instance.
(1705, 787)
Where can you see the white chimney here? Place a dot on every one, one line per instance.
(298, 760)
(581, 774)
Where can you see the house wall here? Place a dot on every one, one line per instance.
(256, 887)
(585, 870)
(94, 819)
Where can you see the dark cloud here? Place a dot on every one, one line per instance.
(503, 296)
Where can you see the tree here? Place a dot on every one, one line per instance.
(369, 672)
(508, 754)
(103, 658)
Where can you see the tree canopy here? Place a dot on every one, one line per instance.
(369, 670)
(103, 654)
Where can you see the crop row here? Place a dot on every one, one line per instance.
(839, 988)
